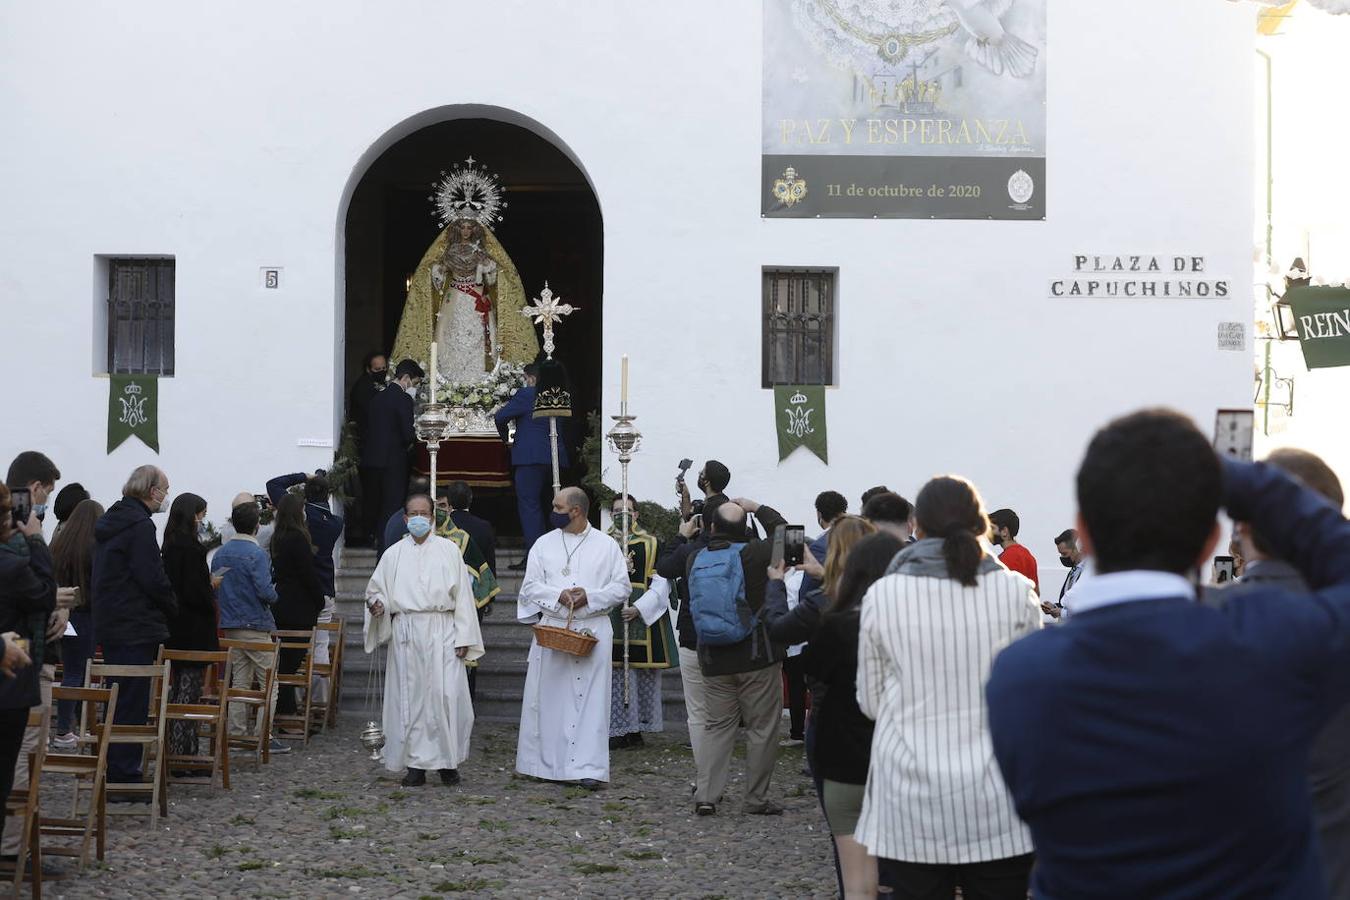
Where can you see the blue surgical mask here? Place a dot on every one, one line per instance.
(419, 526)
(40, 510)
(559, 520)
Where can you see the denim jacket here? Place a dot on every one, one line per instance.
(246, 594)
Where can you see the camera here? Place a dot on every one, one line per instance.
(695, 510)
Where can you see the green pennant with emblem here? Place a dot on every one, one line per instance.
(133, 409)
(799, 414)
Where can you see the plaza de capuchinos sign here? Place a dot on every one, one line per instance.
(1322, 315)
(133, 409)
(904, 109)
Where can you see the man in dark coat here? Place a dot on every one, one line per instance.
(364, 391)
(132, 604)
(390, 437)
(460, 496)
(531, 459)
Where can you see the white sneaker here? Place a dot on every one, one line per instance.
(66, 743)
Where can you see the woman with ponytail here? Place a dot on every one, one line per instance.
(935, 807)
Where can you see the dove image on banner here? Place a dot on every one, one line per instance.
(904, 109)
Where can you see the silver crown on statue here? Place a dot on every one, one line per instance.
(468, 192)
(372, 738)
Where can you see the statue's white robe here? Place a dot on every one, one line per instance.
(427, 593)
(564, 719)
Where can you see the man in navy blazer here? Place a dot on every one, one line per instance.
(391, 435)
(531, 459)
(1158, 747)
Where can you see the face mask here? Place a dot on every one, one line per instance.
(996, 541)
(40, 510)
(1066, 562)
(623, 519)
(201, 529)
(419, 526)
(379, 375)
(703, 484)
(559, 520)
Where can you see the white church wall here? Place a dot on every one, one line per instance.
(226, 138)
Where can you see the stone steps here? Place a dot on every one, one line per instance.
(501, 672)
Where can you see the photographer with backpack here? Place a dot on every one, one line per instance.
(741, 666)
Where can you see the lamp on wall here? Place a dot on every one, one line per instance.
(1281, 392)
(1286, 328)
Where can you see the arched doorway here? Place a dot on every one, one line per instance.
(551, 227)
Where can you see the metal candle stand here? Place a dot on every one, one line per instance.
(433, 425)
(624, 438)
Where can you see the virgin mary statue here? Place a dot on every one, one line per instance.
(466, 294)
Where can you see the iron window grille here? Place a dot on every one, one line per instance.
(140, 316)
(798, 326)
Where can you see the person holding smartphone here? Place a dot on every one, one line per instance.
(27, 594)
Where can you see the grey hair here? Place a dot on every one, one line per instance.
(142, 481)
(575, 496)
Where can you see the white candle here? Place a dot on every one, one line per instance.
(432, 376)
(623, 390)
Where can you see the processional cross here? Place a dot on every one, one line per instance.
(548, 310)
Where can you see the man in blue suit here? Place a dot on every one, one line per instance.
(1155, 746)
(390, 437)
(531, 459)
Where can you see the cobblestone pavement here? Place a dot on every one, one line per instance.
(327, 822)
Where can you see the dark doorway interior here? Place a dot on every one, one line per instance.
(551, 227)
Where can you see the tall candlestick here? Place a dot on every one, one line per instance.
(432, 376)
(623, 390)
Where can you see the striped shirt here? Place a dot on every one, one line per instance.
(934, 792)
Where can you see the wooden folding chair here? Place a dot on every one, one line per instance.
(206, 717)
(338, 654)
(149, 736)
(22, 808)
(321, 711)
(300, 680)
(259, 701)
(90, 772)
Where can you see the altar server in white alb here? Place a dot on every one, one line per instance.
(420, 600)
(564, 720)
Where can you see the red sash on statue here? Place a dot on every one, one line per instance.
(480, 302)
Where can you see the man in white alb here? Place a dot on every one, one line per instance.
(420, 599)
(564, 719)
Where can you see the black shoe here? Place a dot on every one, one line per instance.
(589, 784)
(517, 566)
(449, 777)
(414, 778)
(767, 808)
(635, 740)
(705, 809)
(618, 743)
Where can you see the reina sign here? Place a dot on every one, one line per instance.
(1323, 317)
(1140, 277)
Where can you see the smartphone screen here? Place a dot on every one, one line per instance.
(779, 545)
(1224, 569)
(21, 504)
(794, 545)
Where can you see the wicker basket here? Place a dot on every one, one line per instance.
(565, 640)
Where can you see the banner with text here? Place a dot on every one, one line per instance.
(133, 409)
(909, 109)
(799, 411)
(1323, 317)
